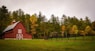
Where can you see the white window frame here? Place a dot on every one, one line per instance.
(20, 31)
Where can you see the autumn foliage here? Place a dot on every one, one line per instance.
(41, 27)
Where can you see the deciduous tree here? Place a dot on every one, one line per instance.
(63, 28)
(33, 20)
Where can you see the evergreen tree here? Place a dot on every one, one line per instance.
(4, 18)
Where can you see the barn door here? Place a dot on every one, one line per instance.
(19, 35)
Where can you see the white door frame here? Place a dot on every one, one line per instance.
(19, 34)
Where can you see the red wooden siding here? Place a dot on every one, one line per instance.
(12, 33)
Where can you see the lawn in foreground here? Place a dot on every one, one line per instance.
(48, 45)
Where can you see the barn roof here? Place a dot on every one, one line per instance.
(11, 26)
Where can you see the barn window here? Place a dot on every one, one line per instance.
(19, 30)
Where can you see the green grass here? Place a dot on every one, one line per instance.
(80, 44)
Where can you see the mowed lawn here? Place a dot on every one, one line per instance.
(80, 44)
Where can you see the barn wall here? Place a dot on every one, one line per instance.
(9, 34)
(12, 33)
(20, 26)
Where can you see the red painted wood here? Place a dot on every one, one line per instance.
(12, 33)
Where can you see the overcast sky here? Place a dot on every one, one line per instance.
(78, 8)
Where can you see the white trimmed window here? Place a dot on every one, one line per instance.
(20, 31)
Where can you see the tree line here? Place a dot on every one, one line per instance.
(39, 27)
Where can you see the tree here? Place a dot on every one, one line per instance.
(93, 28)
(63, 29)
(81, 24)
(87, 21)
(82, 32)
(44, 30)
(64, 20)
(93, 25)
(88, 29)
(4, 18)
(74, 30)
(33, 20)
(41, 29)
(56, 25)
(27, 23)
(15, 15)
(92, 33)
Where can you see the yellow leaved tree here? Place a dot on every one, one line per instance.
(63, 28)
(74, 30)
(33, 20)
(88, 29)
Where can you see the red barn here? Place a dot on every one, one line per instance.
(16, 31)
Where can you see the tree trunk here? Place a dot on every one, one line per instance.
(44, 35)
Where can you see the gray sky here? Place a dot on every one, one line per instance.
(78, 8)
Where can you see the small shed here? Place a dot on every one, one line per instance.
(16, 31)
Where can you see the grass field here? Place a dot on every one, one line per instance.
(80, 44)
